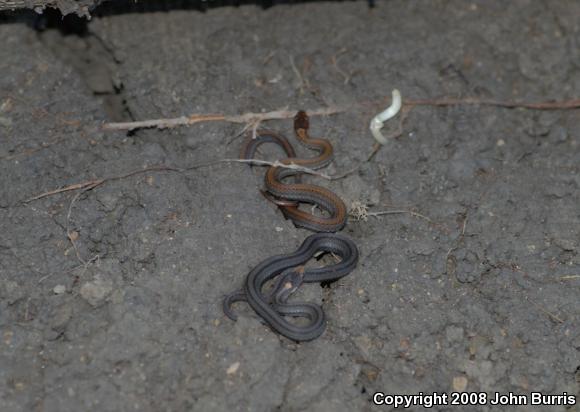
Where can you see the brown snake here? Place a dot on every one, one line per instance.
(288, 195)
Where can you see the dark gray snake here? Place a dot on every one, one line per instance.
(273, 307)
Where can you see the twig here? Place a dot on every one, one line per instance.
(348, 172)
(557, 105)
(546, 311)
(334, 59)
(398, 212)
(165, 123)
(570, 277)
(461, 235)
(247, 118)
(303, 82)
(72, 236)
(286, 114)
(282, 114)
(359, 211)
(281, 165)
(91, 184)
(33, 150)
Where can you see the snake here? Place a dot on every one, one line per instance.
(288, 196)
(273, 307)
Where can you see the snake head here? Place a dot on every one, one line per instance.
(301, 121)
(288, 284)
(296, 277)
(293, 280)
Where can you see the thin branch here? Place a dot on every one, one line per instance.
(165, 123)
(247, 118)
(73, 235)
(334, 60)
(398, 212)
(546, 311)
(277, 163)
(33, 150)
(283, 114)
(91, 184)
(359, 211)
(303, 82)
(287, 114)
(570, 277)
(556, 105)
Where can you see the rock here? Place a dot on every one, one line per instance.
(96, 291)
(459, 383)
(233, 368)
(59, 289)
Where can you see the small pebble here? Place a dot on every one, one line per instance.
(59, 289)
(459, 383)
(233, 368)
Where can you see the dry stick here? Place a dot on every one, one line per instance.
(279, 164)
(72, 236)
(247, 118)
(546, 311)
(286, 114)
(360, 212)
(561, 105)
(461, 236)
(398, 212)
(165, 123)
(334, 59)
(91, 184)
(303, 82)
(570, 277)
(33, 150)
(441, 227)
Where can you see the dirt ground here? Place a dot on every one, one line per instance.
(110, 298)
